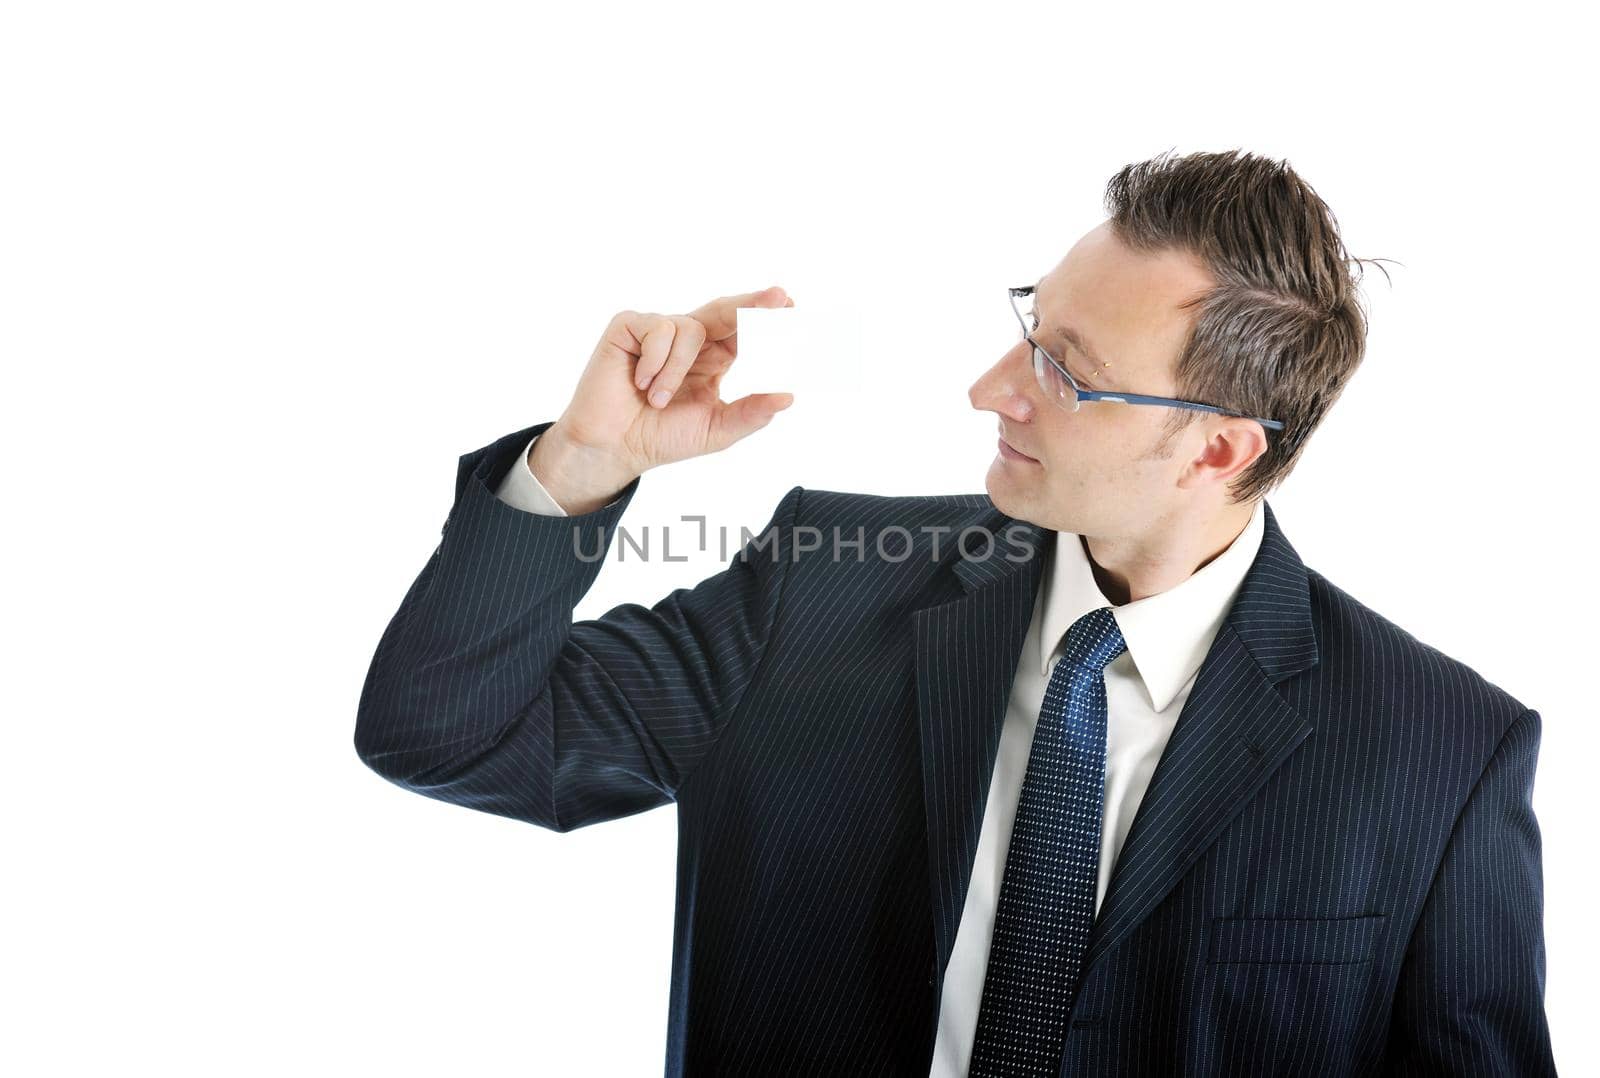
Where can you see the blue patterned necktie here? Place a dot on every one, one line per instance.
(1046, 905)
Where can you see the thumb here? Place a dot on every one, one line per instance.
(745, 416)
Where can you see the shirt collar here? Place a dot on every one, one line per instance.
(1168, 634)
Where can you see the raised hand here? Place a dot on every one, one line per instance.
(650, 396)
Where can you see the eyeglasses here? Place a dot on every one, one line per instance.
(1062, 388)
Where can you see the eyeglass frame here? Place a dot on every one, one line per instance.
(1111, 395)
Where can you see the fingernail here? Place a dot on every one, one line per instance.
(659, 398)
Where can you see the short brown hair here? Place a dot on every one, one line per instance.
(1283, 330)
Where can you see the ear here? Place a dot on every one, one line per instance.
(1232, 446)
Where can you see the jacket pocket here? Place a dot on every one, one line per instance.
(1326, 940)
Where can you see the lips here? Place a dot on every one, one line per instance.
(1017, 451)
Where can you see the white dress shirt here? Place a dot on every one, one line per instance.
(1167, 636)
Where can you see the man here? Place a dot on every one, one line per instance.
(1107, 783)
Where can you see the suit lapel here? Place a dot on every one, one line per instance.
(966, 656)
(1233, 732)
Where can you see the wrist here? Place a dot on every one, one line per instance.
(581, 479)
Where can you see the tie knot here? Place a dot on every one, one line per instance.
(1093, 641)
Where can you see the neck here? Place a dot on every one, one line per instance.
(1129, 568)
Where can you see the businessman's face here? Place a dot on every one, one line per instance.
(1096, 471)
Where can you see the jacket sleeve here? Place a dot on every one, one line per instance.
(1470, 998)
(483, 692)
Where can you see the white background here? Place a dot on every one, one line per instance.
(268, 269)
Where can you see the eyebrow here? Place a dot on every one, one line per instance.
(1076, 340)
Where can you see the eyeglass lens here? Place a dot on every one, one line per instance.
(1049, 378)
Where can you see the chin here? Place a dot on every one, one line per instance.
(1002, 494)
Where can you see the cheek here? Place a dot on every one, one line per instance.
(1062, 436)
(1083, 450)
(1121, 433)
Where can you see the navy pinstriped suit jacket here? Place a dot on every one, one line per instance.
(1335, 868)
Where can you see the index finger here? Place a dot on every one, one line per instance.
(719, 318)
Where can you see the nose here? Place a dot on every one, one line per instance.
(1004, 388)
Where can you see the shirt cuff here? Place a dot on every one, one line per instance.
(520, 489)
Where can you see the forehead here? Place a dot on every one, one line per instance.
(1124, 305)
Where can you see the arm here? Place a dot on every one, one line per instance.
(1470, 999)
(483, 692)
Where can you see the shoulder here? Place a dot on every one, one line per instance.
(841, 505)
(1394, 673)
(847, 537)
(921, 514)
